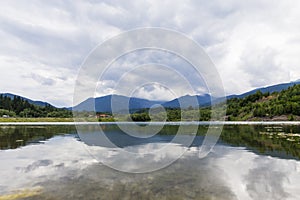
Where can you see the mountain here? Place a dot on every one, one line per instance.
(16, 106)
(37, 103)
(187, 100)
(280, 106)
(103, 104)
(205, 100)
(270, 89)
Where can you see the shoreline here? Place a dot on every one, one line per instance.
(158, 123)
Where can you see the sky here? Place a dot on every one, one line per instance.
(44, 43)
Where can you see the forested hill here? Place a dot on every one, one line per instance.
(17, 106)
(284, 105)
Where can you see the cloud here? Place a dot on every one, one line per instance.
(263, 68)
(252, 43)
(43, 80)
(165, 77)
(267, 183)
(254, 176)
(154, 92)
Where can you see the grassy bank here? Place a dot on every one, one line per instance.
(44, 119)
(51, 119)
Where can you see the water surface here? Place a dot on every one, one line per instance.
(51, 162)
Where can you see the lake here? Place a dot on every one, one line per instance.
(43, 161)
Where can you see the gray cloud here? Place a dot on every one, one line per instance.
(253, 43)
(265, 182)
(262, 67)
(42, 80)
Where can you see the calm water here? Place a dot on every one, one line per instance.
(53, 162)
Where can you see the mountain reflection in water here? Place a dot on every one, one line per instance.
(246, 164)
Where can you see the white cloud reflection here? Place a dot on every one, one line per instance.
(245, 174)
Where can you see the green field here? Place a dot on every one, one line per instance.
(44, 119)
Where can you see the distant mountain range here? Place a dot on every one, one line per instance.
(103, 104)
(271, 89)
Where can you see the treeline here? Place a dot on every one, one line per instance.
(258, 106)
(173, 114)
(19, 107)
(266, 105)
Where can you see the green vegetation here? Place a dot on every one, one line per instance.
(266, 106)
(283, 141)
(110, 119)
(265, 140)
(174, 114)
(21, 108)
(91, 116)
(12, 137)
(40, 119)
(282, 105)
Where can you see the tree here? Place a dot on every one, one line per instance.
(259, 111)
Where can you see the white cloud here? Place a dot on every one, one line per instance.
(154, 92)
(253, 43)
(165, 77)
